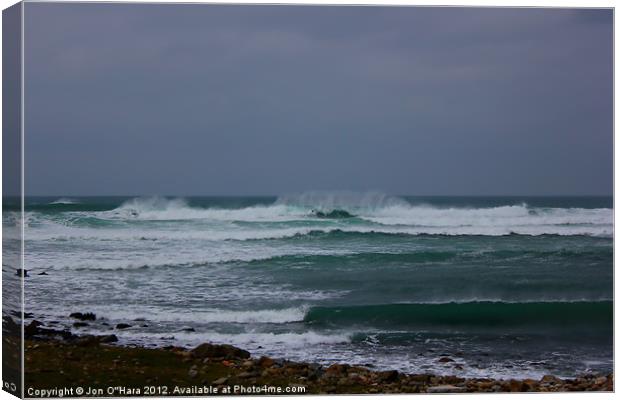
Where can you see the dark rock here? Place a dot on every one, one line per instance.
(208, 350)
(517, 386)
(445, 360)
(79, 324)
(388, 376)
(92, 340)
(42, 273)
(108, 339)
(420, 379)
(529, 385)
(32, 328)
(122, 326)
(187, 329)
(9, 326)
(550, 379)
(87, 340)
(83, 316)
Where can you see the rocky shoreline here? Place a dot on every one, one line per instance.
(58, 357)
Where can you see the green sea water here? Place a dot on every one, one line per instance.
(504, 286)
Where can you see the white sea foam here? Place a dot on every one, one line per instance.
(245, 340)
(517, 216)
(65, 233)
(267, 316)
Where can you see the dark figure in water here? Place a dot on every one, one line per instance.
(21, 272)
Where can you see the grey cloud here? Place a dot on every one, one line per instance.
(205, 99)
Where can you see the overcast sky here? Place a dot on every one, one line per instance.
(206, 100)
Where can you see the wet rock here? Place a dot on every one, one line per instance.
(83, 316)
(32, 328)
(445, 360)
(208, 350)
(388, 376)
(43, 273)
(517, 386)
(79, 324)
(336, 370)
(550, 380)
(9, 326)
(419, 379)
(530, 385)
(109, 339)
(122, 326)
(88, 340)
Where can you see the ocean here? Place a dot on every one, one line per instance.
(491, 286)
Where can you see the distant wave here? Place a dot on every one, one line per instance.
(339, 257)
(58, 232)
(309, 214)
(389, 212)
(65, 200)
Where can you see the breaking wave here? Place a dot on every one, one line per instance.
(267, 316)
(559, 315)
(301, 215)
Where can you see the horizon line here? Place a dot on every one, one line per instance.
(297, 193)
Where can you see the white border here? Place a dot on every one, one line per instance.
(475, 3)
